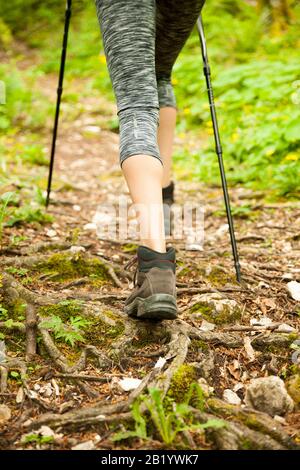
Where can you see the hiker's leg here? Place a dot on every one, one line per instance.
(128, 31)
(165, 137)
(174, 23)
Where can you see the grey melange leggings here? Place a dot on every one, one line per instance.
(142, 40)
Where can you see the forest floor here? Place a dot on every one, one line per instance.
(62, 269)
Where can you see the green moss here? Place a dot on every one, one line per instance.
(129, 248)
(100, 334)
(64, 309)
(209, 313)
(203, 308)
(293, 388)
(247, 445)
(251, 421)
(293, 336)
(65, 266)
(181, 382)
(219, 277)
(197, 344)
(146, 336)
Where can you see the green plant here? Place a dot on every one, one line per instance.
(140, 425)
(34, 155)
(3, 313)
(38, 439)
(15, 240)
(5, 199)
(68, 333)
(18, 271)
(28, 214)
(168, 424)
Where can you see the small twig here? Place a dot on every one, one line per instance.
(249, 238)
(272, 326)
(77, 282)
(88, 378)
(209, 290)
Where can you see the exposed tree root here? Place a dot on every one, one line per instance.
(244, 428)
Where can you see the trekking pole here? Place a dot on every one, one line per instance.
(59, 93)
(207, 74)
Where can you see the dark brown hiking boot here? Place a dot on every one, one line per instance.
(168, 200)
(154, 296)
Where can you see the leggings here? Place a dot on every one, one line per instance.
(142, 40)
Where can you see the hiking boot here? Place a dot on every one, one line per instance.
(154, 296)
(168, 200)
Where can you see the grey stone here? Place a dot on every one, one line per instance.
(269, 395)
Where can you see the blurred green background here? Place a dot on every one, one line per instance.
(254, 54)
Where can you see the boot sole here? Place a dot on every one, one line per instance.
(154, 307)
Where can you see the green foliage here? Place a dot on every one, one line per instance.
(35, 155)
(257, 91)
(3, 313)
(140, 425)
(68, 333)
(167, 424)
(19, 271)
(25, 106)
(14, 374)
(4, 201)
(38, 439)
(28, 214)
(255, 74)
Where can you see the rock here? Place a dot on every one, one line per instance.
(46, 390)
(231, 397)
(5, 414)
(269, 395)
(261, 321)
(207, 326)
(287, 276)
(285, 328)
(51, 233)
(216, 308)
(238, 386)
(90, 226)
(77, 249)
(294, 290)
(129, 383)
(87, 445)
(92, 129)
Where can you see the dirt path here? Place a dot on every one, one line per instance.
(65, 261)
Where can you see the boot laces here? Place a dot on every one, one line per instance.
(129, 265)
